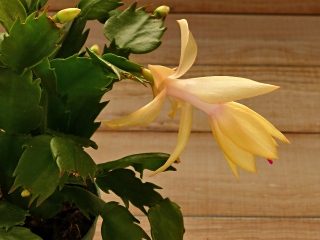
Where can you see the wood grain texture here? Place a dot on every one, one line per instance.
(205, 186)
(236, 40)
(286, 108)
(243, 228)
(221, 6)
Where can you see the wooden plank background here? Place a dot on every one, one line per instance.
(276, 42)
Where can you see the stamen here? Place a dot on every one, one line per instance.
(270, 161)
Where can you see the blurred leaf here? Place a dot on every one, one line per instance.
(37, 171)
(19, 115)
(114, 50)
(80, 77)
(119, 224)
(30, 42)
(18, 233)
(140, 162)
(98, 9)
(124, 183)
(33, 5)
(9, 11)
(166, 221)
(135, 30)
(11, 215)
(47, 76)
(86, 201)
(71, 158)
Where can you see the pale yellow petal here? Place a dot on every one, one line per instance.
(245, 131)
(232, 166)
(264, 122)
(183, 135)
(220, 89)
(175, 105)
(188, 50)
(233, 153)
(160, 74)
(141, 117)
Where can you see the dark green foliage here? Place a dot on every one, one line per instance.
(17, 114)
(119, 224)
(11, 215)
(37, 37)
(166, 221)
(134, 30)
(18, 233)
(124, 183)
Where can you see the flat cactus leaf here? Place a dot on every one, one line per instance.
(71, 158)
(11, 215)
(128, 187)
(37, 170)
(47, 76)
(135, 30)
(30, 42)
(80, 77)
(19, 115)
(18, 233)
(10, 10)
(119, 224)
(166, 221)
(98, 9)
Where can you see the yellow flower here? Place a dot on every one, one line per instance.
(240, 132)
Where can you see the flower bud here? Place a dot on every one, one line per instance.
(66, 15)
(161, 12)
(95, 49)
(25, 193)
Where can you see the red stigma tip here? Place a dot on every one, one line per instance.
(270, 161)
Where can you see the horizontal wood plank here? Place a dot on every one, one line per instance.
(286, 108)
(242, 228)
(205, 186)
(236, 40)
(221, 6)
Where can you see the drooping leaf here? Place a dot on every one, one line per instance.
(98, 9)
(135, 30)
(47, 76)
(119, 224)
(18, 233)
(30, 42)
(124, 184)
(11, 215)
(86, 201)
(37, 171)
(121, 73)
(140, 162)
(19, 115)
(80, 77)
(71, 158)
(166, 221)
(10, 10)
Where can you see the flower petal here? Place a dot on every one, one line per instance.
(175, 104)
(242, 128)
(188, 50)
(183, 135)
(232, 152)
(220, 89)
(264, 122)
(160, 74)
(141, 117)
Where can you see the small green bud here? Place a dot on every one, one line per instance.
(161, 12)
(66, 15)
(25, 193)
(95, 49)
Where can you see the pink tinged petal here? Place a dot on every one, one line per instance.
(242, 128)
(188, 50)
(266, 124)
(220, 89)
(232, 152)
(160, 74)
(141, 117)
(183, 135)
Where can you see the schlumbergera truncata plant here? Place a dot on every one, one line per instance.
(51, 86)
